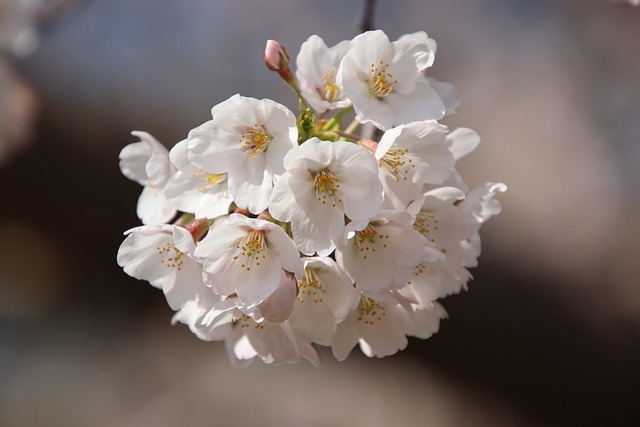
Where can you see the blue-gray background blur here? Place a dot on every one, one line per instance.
(548, 334)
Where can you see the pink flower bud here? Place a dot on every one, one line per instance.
(275, 56)
(277, 59)
(369, 144)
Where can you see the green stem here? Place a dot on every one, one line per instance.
(337, 133)
(352, 126)
(335, 120)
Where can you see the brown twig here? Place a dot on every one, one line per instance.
(366, 23)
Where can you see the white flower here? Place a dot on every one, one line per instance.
(147, 162)
(384, 80)
(248, 139)
(409, 156)
(441, 222)
(381, 325)
(317, 69)
(479, 205)
(324, 182)
(381, 254)
(163, 255)
(325, 297)
(194, 190)
(245, 338)
(246, 257)
(450, 220)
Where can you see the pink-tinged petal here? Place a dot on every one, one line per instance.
(361, 192)
(387, 335)
(153, 207)
(312, 322)
(310, 353)
(462, 141)
(278, 307)
(242, 351)
(426, 320)
(345, 337)
(272, 344)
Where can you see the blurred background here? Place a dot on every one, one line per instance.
(548, 333)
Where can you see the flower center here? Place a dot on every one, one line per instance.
(330, 90)
(255, 140)
(395, 162)
(426, 223)
(252, 249)
(381, 81)
(370, 310)
(310, 288)
(171, 256)
(368, 239)
(326, 185)
(209, 179)
(244, 322)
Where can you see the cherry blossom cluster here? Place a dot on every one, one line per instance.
(276, 232)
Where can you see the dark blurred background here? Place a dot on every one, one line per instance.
(548, 333)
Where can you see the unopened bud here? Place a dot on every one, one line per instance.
(275, 56)
(277, 59)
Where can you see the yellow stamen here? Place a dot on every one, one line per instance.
(381, 82)
(326, 185)
(255, 140)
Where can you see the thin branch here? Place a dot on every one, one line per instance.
(366, 23)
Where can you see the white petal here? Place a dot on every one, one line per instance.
(289, 259)
(423, 103)
(361, 192)
(250, 184)
(153, 207)
(462, 141)
(215, 149)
